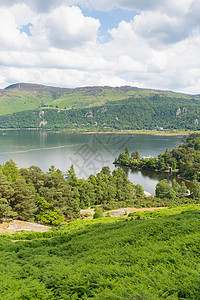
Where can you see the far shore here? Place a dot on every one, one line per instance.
(148, 132)
(74, 131)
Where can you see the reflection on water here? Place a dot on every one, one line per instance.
(87, 152)
(148, 179)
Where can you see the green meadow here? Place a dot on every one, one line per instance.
(150, 255)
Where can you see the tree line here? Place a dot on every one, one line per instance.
(51, 198)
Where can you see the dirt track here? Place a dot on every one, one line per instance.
(15, 225)
(120, 211)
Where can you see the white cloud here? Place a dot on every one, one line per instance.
(158, 48)
(22, 13)
(67, 27)
(158, 28)
(10, 36)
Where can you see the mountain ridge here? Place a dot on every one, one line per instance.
(35, 86)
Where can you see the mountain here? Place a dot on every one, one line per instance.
(25, 105)
(25, 96)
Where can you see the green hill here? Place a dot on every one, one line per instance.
(129, 114)
(25, 96)
(97, 108)
(153, 255)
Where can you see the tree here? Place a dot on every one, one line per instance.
(106, 170)
(195, 190)
(98, 213)
(6, 190)
(175, 186)
(6, 193)
(139, 191)
(6, 210)
(11, 170)
(23, 201)
(86, 193)
(71, 177)
(46, 214)
(127, 151)
(183, 191)
(164, 190)
(135, 155)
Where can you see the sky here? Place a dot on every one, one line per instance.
(72, 43)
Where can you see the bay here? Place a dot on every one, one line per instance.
(87, 152)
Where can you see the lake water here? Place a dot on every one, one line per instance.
(87, 152)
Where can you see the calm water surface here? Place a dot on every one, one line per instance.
(87, 152)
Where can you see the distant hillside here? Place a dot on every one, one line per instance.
(25, 96)
(25, 105)
(150, 112)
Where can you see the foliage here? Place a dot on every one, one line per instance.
(52, 198)
(151, 255)
(164, 190)
(195, 190)
(98, 213)
(184, 159)
(158, 112)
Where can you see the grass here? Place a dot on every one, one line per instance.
(155, 257)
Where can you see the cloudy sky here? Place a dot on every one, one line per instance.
(70, 43)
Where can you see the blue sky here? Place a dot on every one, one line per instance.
(109, 19)
(26, 28)
(70, 43)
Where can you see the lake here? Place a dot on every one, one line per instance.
(87, 152)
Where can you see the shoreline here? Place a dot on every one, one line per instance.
(147, 132)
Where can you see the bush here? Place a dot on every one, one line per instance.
(98, 213)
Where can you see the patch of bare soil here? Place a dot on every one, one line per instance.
(15, 225)
(120, 211)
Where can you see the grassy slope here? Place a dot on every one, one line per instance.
(16, 101)
(155, 258)
(22, 97)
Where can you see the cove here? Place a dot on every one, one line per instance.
(87, 152)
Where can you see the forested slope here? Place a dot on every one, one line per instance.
(147, 112)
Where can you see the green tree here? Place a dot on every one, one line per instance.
(71, 177)
(11, 171)
(195, 190)
(135, 155)
(164, 190)
(139, 193)
(183, 191)
(23, 201)
(175, 186)
(86, 193)
(98, 213)
(106, 171)
(6, 193)
(47, 214)
(6, 210)
(127, 151)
